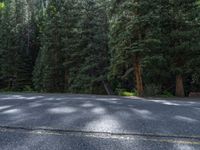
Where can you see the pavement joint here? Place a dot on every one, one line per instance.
(177, 139)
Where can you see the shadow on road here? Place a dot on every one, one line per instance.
(104, 114)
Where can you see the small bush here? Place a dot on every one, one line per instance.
(123, 92)
(166, 94)
(5, 90)
(28, 89)
(152, 90)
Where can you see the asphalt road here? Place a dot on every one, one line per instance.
(90, 122)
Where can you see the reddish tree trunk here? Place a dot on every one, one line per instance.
(179, 86)
(138, 75)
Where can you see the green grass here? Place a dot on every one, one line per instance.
(125, 93)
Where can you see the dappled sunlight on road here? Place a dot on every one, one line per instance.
(12, 111)
(105, 123)
(174, 103)
(34, 104)
(145, 114)
(165, 102)
(99, 113)
(186, 119)
(87, 105)
(99, 110)
(105, 99)
(49, 99)
(183, 147)
(10, 97)
(62, 110)
(4, 107)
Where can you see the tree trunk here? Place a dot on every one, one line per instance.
(138, 75)
(108, 88)
(179, 86)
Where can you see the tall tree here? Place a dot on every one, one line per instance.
(48, 73)
(131, 35)
(180, 29)
(17, 43)
(70, 15)
(90, 57)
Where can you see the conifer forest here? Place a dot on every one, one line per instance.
(123, 47)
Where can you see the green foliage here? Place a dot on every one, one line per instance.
(75, 45)
(166, 94)
(2, 5)
(17, 45)
(133, 31)
(123, 92)
(28, 89)
(152, 90)
(74, 52)
(86, 48)
(193, 73)
(5, 90)
(48, 73)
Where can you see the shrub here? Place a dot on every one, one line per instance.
(152, 90)
(166, 94)
(123, 92)
(27, 89)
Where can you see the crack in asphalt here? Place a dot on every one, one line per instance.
(178, 139)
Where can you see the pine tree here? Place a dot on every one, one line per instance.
(131, 30)
(70, 16)
(48, 74)
(180, 30)
(17, 44)
(90, 57)
(2, 6)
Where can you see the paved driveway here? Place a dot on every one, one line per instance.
(90, 122)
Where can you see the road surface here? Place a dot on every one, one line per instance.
(91, 122)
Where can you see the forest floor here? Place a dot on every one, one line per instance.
(91, 122)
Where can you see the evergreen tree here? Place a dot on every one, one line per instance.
(17, 44)
(71, 16)
(132, 36)
(180, 42)
(48, 74)
(92, 51)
